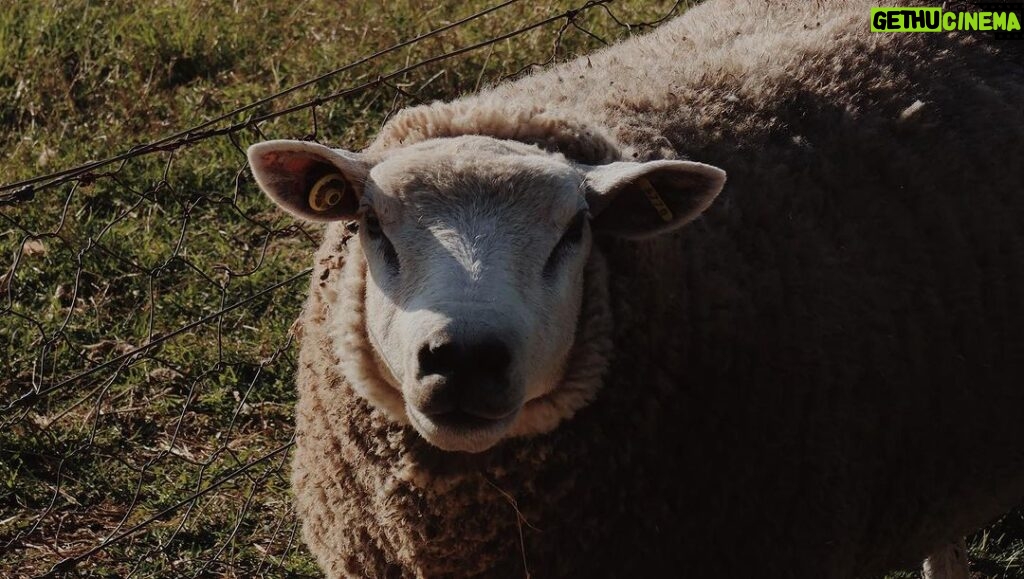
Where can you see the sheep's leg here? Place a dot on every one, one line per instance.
(947, 562)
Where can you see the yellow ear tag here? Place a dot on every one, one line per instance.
(327, 192)
(652, 195)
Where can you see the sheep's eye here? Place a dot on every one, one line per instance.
(570, 238)
(374, 231)
(574, 233)
(372, 225)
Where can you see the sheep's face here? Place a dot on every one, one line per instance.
(475, 251)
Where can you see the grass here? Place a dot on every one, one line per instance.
(102, 273)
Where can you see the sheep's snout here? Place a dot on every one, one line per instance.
(470, 377)
(465, 391)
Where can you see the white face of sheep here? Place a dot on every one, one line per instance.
(475, 250)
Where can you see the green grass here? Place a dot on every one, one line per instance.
(91, 271)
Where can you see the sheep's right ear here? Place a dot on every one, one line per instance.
(310, 180)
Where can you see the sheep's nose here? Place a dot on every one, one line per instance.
(487, 357)
(469, 376)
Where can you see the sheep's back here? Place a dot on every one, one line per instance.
(844, 328)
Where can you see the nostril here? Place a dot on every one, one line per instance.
(490, 356)
(441, 359)
(486, 357)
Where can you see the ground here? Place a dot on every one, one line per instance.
(145, 361)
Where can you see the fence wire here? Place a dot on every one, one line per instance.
(145, 392)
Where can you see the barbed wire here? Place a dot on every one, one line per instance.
(196, 373)
(195, 132)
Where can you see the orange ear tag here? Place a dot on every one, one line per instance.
(327, 192)
(652, 195)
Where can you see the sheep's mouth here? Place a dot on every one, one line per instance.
(468, 421)
(459, 430)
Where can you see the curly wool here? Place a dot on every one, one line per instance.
(818, 378)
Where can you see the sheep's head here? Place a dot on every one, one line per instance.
(475, 254)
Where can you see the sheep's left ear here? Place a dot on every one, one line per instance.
(644, 199)
(310, 180)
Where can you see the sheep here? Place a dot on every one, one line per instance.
(547, 336)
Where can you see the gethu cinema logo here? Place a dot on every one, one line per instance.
(935, 20)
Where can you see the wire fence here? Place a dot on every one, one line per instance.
(146, 367)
